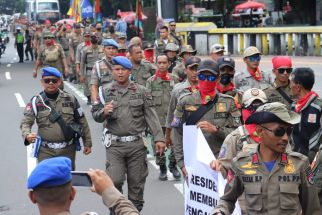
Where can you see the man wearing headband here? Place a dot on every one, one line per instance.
(280, 90)
(214, 113)
(55, 111)
(275, 181)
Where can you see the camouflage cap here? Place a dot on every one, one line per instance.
(253, 94)
(251, 50)
(187, 49)
(171, 47)
(87, 32)
(217, 48)
(273, 112)
(120, 35)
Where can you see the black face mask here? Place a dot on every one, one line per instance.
(226, 79)
(94, 40)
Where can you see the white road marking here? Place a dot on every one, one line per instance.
(179, 187)
(75, 90)
(9, 65)
(20, 100)
(8, 76)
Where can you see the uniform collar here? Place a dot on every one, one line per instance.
(256, 159)
(276, 85)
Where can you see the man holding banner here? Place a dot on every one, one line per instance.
(214, 113)
(275, 181)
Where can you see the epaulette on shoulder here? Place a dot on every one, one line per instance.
(184, 95)
(242, 155)
(297, 155)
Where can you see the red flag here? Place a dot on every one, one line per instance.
(97, 6)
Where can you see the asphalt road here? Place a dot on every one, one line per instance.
(16, 89)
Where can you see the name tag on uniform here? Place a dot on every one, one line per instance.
(220, 115)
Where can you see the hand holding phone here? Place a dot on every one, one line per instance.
(80, 178)
(101, 181)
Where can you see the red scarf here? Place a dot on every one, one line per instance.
(302, 101)
(257, 75)
(164, 76)
(121, 54)
(207, 91)
(193, 88)
(87, 43)
(226, 88)
(149, 55)
(251, 127)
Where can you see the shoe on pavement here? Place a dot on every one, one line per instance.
(163, 173)
(175, 172)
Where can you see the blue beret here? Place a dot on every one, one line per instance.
(123, 61)
(110, 42)
(51, 71)
(50, 173)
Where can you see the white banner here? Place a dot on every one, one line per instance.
(205, 186)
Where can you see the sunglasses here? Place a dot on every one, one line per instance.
(287, 70)
(254, 58)
(280, 132)
(51, 80)
(47, 38)
(203, 77)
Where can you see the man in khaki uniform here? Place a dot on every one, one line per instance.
(74, 41)
(252, 76)
(90, 55)
(186, 52)
(53, 140)
(63, 40)
(275, 181)
(142, 69)
(51, 54)
(174, 35)
(164, 39)
(226, 86)
(127, 111)
(37, 40)
(280, 90)
(160, 86)
(220, 118)
(172, 50)
(244, 138)
(79, 51)
(102, 69)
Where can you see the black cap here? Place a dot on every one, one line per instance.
(147, 46)
(192, 61)
(77, 26)
(208, 66)
(225, 61)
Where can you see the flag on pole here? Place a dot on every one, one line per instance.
(98, 14)
(78, 11)
(138, 18)
(70, 12)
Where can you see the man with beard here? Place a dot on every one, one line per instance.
(217, 118)
(275, 180)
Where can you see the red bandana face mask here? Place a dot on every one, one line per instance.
(251, 128)
(87, 43)
(50, 43)
(207, 90)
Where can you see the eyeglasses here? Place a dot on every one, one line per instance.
(51, 80)
(254, 58)
(280, 131)
(203, 77)
(287, 70)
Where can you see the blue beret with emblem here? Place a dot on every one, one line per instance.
(123, 61)
(51, 71)
(51, 172)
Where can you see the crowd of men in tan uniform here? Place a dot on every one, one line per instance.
(135, 99)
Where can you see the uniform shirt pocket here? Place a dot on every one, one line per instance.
(289, 196)
(254, 197)
(157, 97)
(68, 114)
(136, 107)
(43, 118)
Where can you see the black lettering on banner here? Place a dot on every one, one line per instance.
(195, 211)
(203, 182)
(203, 199)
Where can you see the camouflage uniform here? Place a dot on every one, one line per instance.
(133, 112)
(274, 95)
(52, 56)
(74, 41)
(287, 189)
(89, 57)
(161, 44)
(144, 71)
(178, 71)
(68, 106)
(101, 73)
